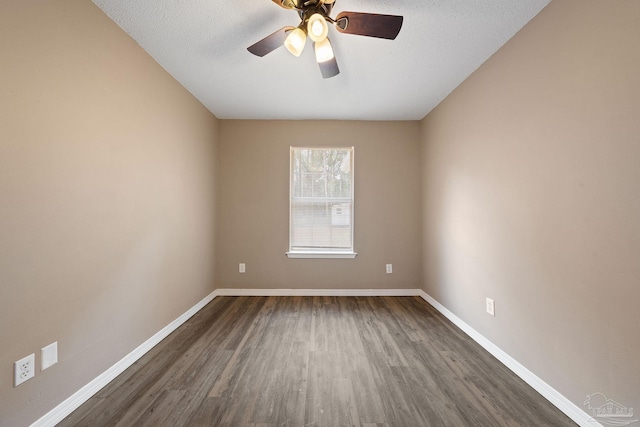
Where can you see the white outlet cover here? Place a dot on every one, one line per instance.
(389, 268)
(491, 308)
(242, 267)
(24, 369)
(49, 355)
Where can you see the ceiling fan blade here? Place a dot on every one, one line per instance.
(270, 43)
(369, 24)
(328, 68)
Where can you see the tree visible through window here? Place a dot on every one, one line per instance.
(321, 201)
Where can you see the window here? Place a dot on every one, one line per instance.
(321, 203)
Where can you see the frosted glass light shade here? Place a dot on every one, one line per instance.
(295, 41)
(324, 51)
(317, 27)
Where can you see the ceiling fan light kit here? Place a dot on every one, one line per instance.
(314, 16)
(324, 51)
(317, 27)
(296, 41)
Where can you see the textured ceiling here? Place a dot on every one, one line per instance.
(202, 43)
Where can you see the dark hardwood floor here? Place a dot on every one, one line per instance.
(317, 361)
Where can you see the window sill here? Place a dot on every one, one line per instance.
(311, 254)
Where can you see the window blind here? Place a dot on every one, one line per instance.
(321, 200)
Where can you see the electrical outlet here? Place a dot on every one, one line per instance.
(389, 268)
(24, 369)
(491, 307)
(242, 268)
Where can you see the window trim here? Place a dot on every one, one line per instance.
(321, 254)
(328, 253)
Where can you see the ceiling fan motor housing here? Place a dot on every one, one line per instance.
(307, 11)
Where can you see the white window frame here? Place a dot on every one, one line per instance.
(297, 253)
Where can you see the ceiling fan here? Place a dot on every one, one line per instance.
(314, 16)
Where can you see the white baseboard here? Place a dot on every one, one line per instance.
(69, 405)
(552, 395)
(319, 292)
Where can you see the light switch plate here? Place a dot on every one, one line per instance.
(49, 355)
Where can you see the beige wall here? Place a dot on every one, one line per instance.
(254, 205)
(107, 206)
(531, 197)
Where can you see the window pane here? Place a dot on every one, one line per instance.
(321, 199)
(321, 225)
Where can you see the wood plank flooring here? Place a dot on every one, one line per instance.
(317, 361)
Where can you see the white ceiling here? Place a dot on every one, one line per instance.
(202, 43)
